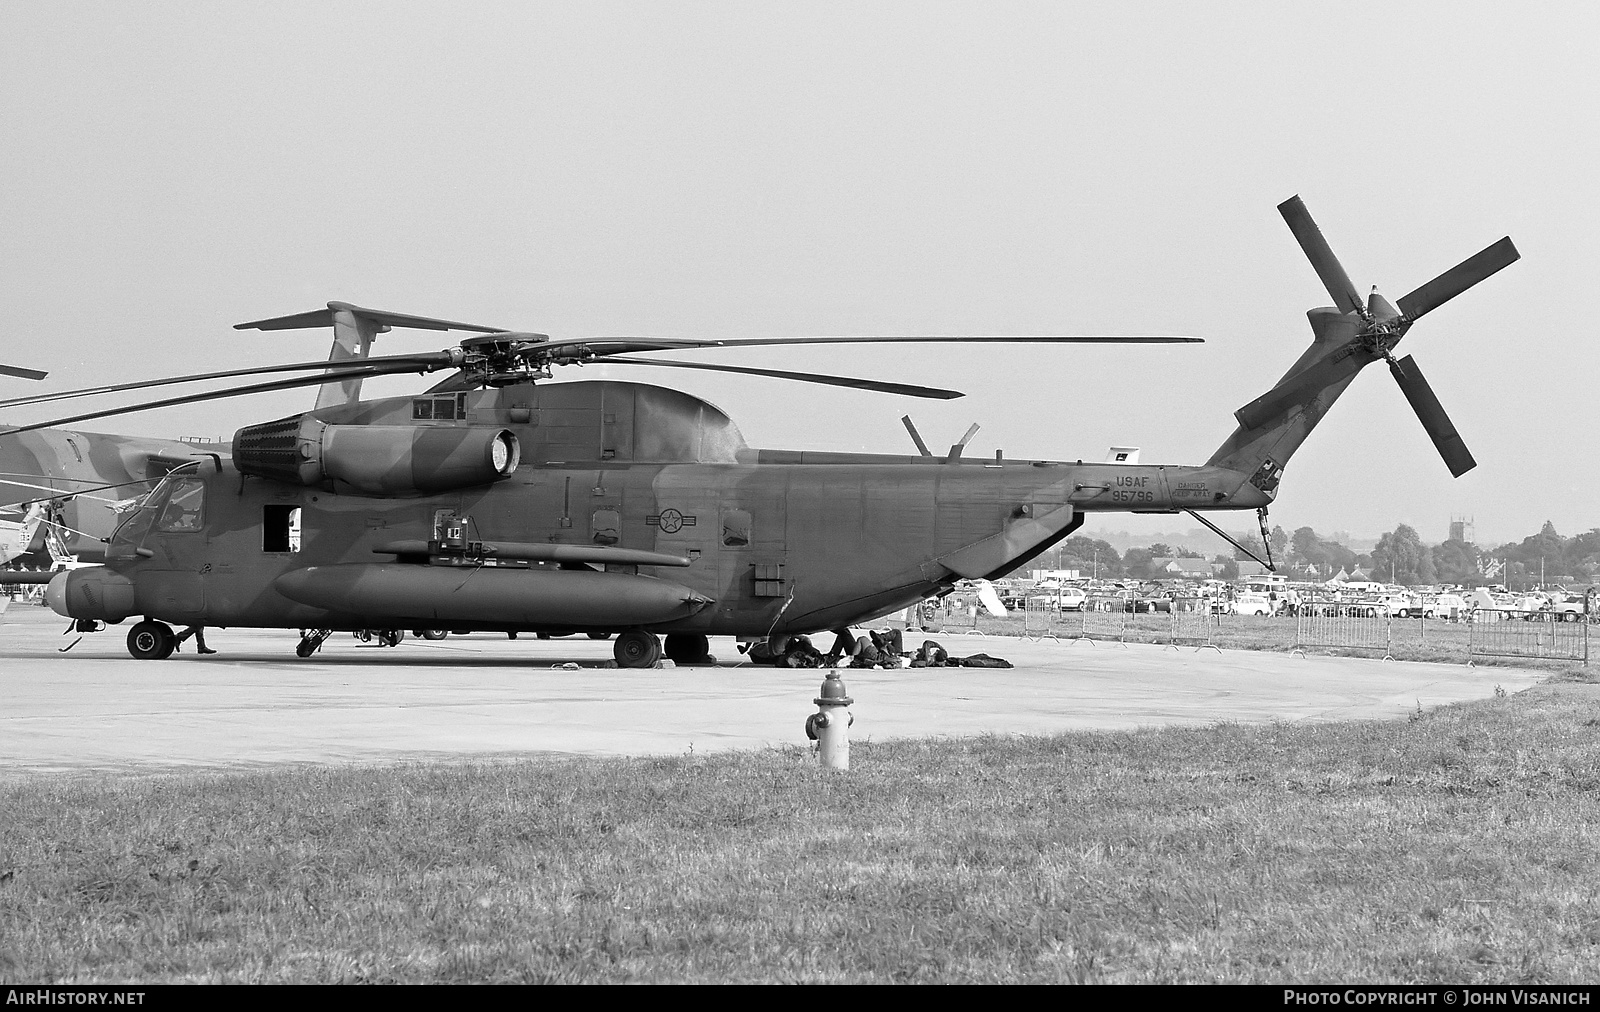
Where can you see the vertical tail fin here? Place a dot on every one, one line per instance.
(354, 330)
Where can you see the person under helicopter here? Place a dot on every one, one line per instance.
(199, 634)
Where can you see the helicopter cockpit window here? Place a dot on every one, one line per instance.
(736, 528)
(184, 510)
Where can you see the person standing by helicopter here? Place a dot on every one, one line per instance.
(199, 634)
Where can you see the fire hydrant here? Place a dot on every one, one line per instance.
(829, 727)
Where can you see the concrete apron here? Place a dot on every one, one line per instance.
(254, 703)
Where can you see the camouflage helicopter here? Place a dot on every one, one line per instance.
(494, 501)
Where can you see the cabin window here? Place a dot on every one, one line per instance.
(280, 528)
(607, 527)
(736, 528)
(185, 508)
(446, 408)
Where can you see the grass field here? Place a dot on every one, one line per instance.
(1457, 846)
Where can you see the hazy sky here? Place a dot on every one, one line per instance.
(750, 169)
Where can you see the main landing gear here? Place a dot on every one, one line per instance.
(152, 641)
(639, 649)
(688, 648)
(636, 649)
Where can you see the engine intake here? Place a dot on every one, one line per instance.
(376, 459)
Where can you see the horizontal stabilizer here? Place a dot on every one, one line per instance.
(20, 373)
(324, 318)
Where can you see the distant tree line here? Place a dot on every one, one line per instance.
(1400, 556)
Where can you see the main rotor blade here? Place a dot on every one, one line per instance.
(1431, 413)
(1459, 278)
(20, 373)
(804, 377)
(424, 358)
(1317, 250)
(620, 345)
(333, 375)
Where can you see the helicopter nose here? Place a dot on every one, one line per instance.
(91, 592)
(55, 594)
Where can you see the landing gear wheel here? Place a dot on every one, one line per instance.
(599, 636)
(687, 648)
(432, 634)
(390, 637)
(636, 649)
(152, 641)
(311, 641)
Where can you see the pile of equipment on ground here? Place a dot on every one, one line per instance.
(877, 649)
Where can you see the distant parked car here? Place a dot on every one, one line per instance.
(1569, 607)
(1397, 606)
(1153, 602)
(1071, 599)
(1446, 606)
(1252, 604)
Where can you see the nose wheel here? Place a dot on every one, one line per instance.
(152, 641)
(636, 649)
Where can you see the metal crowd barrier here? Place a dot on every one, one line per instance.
(1351, 625)
(1039, 619)
(1193, 624)
(1412, 633)
(966, 622)
(1104, 618)
(1493, 632)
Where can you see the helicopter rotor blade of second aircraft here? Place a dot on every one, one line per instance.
(425, 358)
(367, 369)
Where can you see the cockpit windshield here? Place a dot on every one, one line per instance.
(184, 509)
(175, 506)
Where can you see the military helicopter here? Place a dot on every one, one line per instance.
(495, 501)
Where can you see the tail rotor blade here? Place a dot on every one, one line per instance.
(1431, 414)
(1459, 278)
(1317, 250)
(20, 373)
